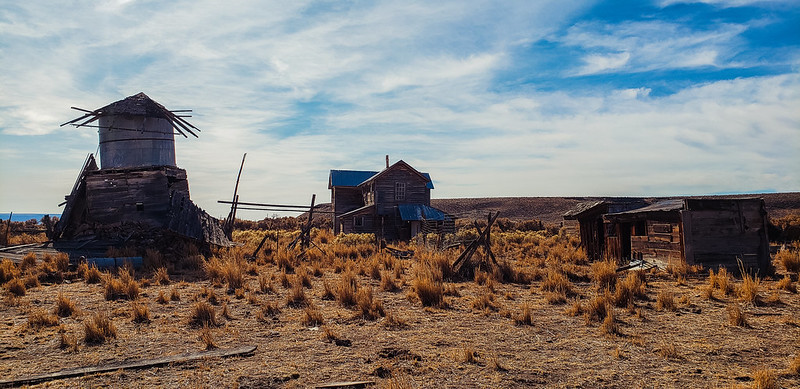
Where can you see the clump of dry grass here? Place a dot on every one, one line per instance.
(28, 261)
(391, 320)
(203, 314)
(469, 355)
(720, 281)
(631, 287)
(484, 302)
(748, 292)
(668, 351)
(8, 270)
(92, 275)
(40, 318)
(312, 316)
(597, 308)
(98, 329)
(68, 342)
(736, 316)
(265, 284)
(765, 379)
(388, 282)
(429, 286)
(175, 295)
(370, 307)
(610, 325)
(790, 259)
(234, 274)
(162, 297)
(297, 296)
(555, 281)
(302, 276)
(575, 309)
(786, 284)
(794, 365)
(268, 310)
(604, 274)
(207, 337)
(124, 287)
(161, 276)
(16, 287)
(140, 313)
(666, 301)
(64, 306)
(525, 317)
(346, 289)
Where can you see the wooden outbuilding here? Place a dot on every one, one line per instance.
(589, 215)
(393, 204)
(709, 232)
(138, 186)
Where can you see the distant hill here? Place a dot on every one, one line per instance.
(551, 209)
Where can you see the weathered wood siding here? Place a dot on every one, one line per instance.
(661, 239)
(416, 191)
(133, 195)
(719, 233)
(344, 199)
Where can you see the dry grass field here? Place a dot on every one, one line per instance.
(545, 317)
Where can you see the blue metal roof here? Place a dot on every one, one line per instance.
(410, 212)
(356, 177)
(349, 177)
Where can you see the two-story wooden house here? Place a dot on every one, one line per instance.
(393, 204)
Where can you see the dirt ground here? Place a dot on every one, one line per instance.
(458, 344)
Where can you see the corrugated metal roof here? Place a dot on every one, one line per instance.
(581, 208)
(349, 177)
(410, 212)
(661, 206)
(357, 177)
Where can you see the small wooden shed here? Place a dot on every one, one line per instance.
(712, 232)
(589, 215)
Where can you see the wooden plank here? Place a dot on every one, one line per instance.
(347, 384)
(139, 364)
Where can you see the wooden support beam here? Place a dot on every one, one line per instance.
(140, 364)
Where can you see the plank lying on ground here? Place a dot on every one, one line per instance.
(347, 385)
(140, 364)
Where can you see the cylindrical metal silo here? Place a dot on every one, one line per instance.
(134, 132)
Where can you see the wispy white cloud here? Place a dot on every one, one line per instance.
(650, 45)
(305, 86)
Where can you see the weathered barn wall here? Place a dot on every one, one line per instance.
(135, 195)
(654, 238)
(416, 190)
(344, 199)
(720, 233)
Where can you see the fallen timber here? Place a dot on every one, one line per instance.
(139, 364)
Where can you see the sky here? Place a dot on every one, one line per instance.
(512, 98)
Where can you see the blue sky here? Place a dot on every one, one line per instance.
(542, 98)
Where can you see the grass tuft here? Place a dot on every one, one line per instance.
(765, 379)
(604, 274)
(64, 306)
(39, 318)
(98, 329)
(736, 316)
(140, 313)
(525, 317)
(666, 301)
(16, 287)
(312, 316)
(203, 314)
